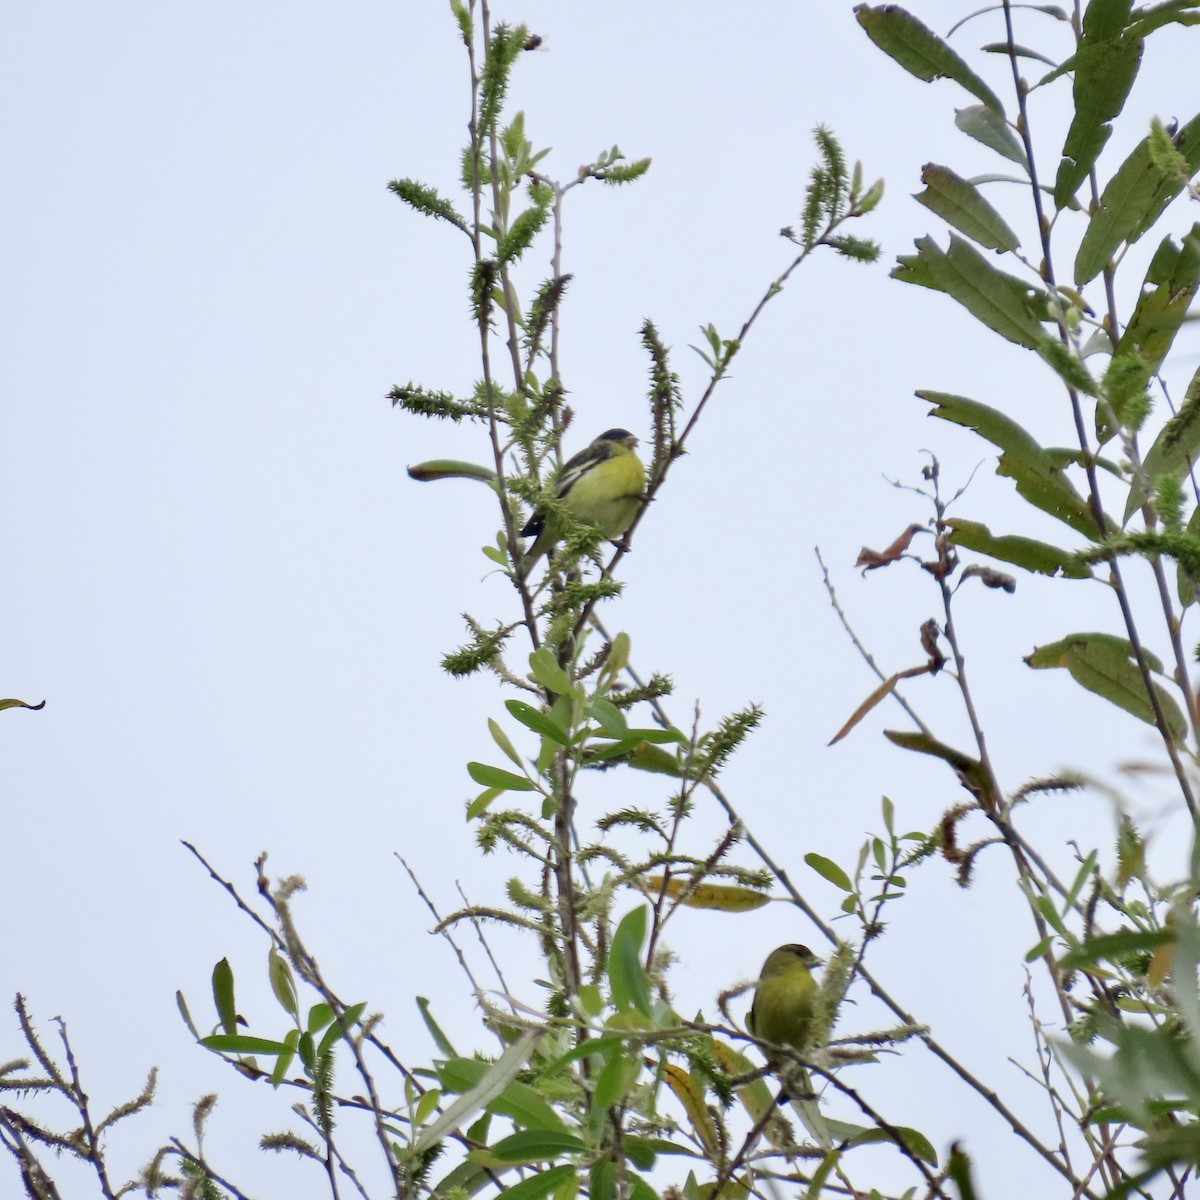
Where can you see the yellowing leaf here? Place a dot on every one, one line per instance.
(725, 897)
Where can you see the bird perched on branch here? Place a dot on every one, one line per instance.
(785, 1000)
(604, 484)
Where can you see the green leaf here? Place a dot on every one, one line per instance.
(426, 1106)
(658, 737)
(504, 742)
(11, 703)
(919, 50)
(490, 1084)
(1037, 951)
(858, 1135)
(319, 1016)
(284, 1061)
(1004, 303)
(1105, 69)
(446, 468)
(440, 1040)
(1019, 551)
(538, 721)
(1186, 585)
(971, 772)
(181, 1004)
(348, 1020)
(240, 1043)
(1116, 946)
(497, 777)
(612, 1084)
(282, 983)
(1166, 295)
(308, 1052)
(1132, 201)
(990, 129)
(626, 977)
(829, 870)
(1105, 665)
(544, 668)
(1038, 473)
(483, 802)
(609, 718)
(535, 1145)
(535, 1186)
(962, 205)
(520, 1102)
(1174, 451)
(222, 988)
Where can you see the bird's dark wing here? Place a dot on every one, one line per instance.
(575, 466)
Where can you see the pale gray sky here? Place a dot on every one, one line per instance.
(234, 601)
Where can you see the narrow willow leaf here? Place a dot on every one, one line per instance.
(1038, 473)
(724, 897)
(1167, 292)
(440, 1040)
(519, 1101)
(859, 1135)
(348, 1020)
(1105, 666)
(1116, 946)
(650, 758)
(919, 50)
(829, 870)
(1185, 583)
(1024, 552)
(613, 1083)
(181, 1004)
(990, 129)
(1174, 451)
(284, 1061)
(626, 976)
(1018, 52)
(971, 772)
(489, 1086)
(319, 1015)
(241, 1043)
(222, 987)
(445, 468)
(538, 721)
(962, 205)
(533, 1145)
(483, 802)
(692, 1096)
(426, 1106)
(282, 983)
(1105, 69)
(756, 1097)
(1004, 303)
(504, 742)
(1173, 12)
(1132, 201)
(534, 1186)
(497, 777)
(544, 668)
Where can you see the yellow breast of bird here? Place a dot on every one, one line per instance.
(783, 1009)
(609, 495)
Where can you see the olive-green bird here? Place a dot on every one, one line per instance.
(784, 1008)
(604, 484)
(784, 1012)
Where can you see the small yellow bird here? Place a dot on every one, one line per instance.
(785, 1000)
(785, 1011)
(603, 485)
